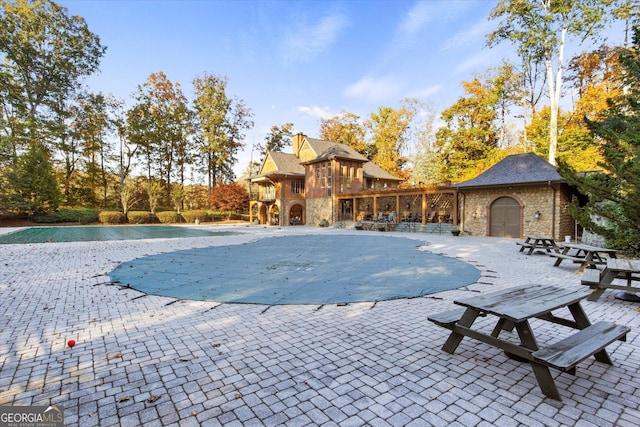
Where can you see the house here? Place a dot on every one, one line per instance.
(314, 183)
(521, 195)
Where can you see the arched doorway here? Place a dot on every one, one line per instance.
(275, 215)
(505, 218)
(296, 215)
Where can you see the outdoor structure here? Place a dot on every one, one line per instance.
(323, 182)
(521, 195)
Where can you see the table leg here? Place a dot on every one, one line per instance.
(455, 338)
(582, 321)
(559, 260)
(542, 373)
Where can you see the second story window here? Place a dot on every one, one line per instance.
(297, 187)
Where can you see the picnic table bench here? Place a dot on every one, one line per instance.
(616, 268)
(514, 307)
(585, 255)
(533, 242)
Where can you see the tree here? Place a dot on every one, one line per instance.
(613, 206)
(46, 53)
(539, 28)
(229, 198)
(278, 138)
(470, 131)
(346, 128)
(389, 134)
(161, 124)
(35, 189)
(222, 122)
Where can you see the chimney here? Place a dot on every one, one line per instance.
(297, 142)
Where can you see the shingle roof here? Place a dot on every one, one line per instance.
(286, 164)
(289, 164)
(327, 150)
(516, 169)
(372, 170)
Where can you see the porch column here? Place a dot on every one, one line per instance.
(423, 209)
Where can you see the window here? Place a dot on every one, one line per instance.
(297, 187)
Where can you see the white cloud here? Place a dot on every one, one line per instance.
(416, 19)
(316, 112)
(374, 89)
(304, 42)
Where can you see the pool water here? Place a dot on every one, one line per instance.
(103, 232)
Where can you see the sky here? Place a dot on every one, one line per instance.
(296, 61)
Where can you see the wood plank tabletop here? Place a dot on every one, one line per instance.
(524, 302)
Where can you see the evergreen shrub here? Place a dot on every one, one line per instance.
(82, 216)
(112, 217)
(168, 217)
(191, 216)
(140, 217)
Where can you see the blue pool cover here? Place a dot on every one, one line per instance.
(96, 233)
(302, 269)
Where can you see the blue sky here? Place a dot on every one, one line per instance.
(296, 61)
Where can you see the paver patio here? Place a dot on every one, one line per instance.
(160, 361)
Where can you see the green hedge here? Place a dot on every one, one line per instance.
(112, 217)
(168, 217)
(82, 216)
(140, 217)
(191, 216)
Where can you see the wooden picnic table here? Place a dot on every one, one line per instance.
(616, 268)
(533, 242)
(586, 255)
(514, 307)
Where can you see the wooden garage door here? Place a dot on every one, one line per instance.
(505, 218)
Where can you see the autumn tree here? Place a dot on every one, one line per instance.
(346, 128)
(613, 206)
(470, 132)
(539, 29)
(229, 198)
(389, 132)
(222, 122)
(161, 124)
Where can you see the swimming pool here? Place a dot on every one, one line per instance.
(103, 232)
(299, 269)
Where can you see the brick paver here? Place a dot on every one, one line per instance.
(147, 360)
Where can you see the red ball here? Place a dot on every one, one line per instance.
(71, 343)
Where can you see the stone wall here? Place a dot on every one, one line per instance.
(554, 219)
(318, 210)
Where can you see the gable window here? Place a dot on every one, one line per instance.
(297, 187)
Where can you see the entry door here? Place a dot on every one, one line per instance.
(505, 218)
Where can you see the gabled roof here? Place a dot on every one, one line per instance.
(327, 150)
(516, 169)
(286, 164)
(290, 165)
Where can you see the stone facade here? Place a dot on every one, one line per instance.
(543, 209)
(318, 210)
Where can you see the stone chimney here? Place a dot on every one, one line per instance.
(297, 142)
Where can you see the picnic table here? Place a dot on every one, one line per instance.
(616, 268)
(533, 242)
(514, 307)
(586, 255)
